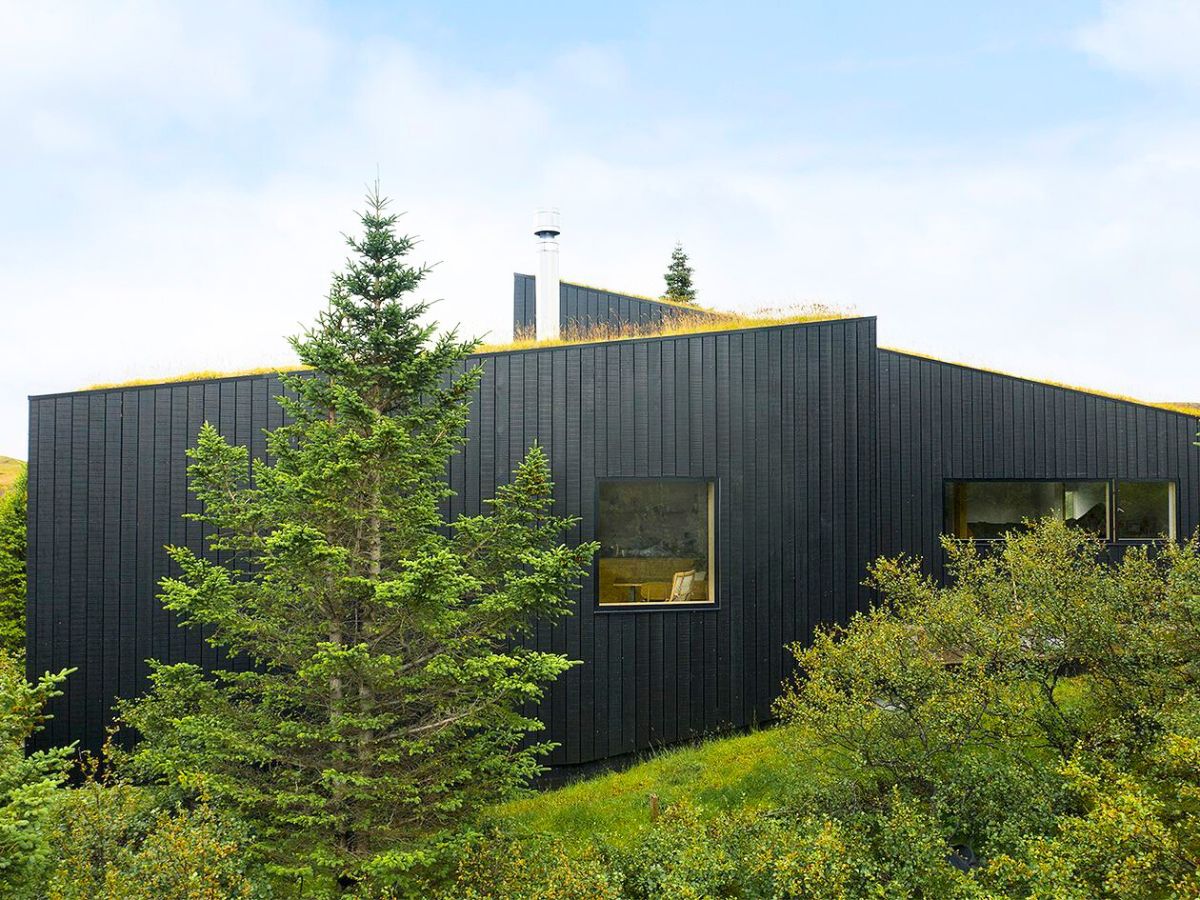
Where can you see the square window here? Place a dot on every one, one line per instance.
(656, 542)
(1146, 510)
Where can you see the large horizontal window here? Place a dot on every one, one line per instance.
(987, 510)
(656, 541)
(1145, 510)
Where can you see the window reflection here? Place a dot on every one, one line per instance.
(656, 541)
(1145, 509)
(987, 510)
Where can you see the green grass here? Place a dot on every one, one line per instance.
(746, 771)
(9, 470)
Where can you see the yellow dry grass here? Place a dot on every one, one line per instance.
(698, 322)
(202, 375)
(9, 470)
(1187, 409)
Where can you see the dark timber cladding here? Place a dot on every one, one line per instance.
(783, 418)
(584, 309)
(942, 421)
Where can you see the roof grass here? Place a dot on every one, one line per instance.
(199, 375)
(1187, 409)
(692, 320)
(698, 322)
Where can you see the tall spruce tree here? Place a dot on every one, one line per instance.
(679, 278)
(385, 698)
(12, 566)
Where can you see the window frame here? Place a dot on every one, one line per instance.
(1172, 511)
(714, 520)
(1110, 523)
(1112, 494)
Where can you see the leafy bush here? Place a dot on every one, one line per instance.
(116, 844)
(103, 839)
(528, 867)
(29, 784)
(1041, 708)
(1034, 722)
(13, 504)
(741, 854)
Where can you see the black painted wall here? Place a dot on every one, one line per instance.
(784, 418)
(582, 309)
(826, 452)
(942, 421)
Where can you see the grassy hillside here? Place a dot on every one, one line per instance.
(9, 470)
(746, 771)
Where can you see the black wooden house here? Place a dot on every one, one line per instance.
(739, 478)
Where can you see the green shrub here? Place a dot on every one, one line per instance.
(13, 504)
(115, 842)
(529, 867)
(29, 784)
(747, 854)
(1041, 708)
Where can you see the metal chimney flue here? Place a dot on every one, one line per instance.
(546, 228)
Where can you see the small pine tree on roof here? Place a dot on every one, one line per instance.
(679, 278)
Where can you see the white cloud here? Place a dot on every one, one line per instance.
(1158, 40)
(194, 63)
(1070, 257)
(591, 66)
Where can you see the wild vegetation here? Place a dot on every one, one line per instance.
(687, 322)
(10, 470)
(1031, 729)
(13, 505)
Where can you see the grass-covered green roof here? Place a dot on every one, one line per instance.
(691, 320)
(1187, 409)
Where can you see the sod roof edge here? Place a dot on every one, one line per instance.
(1176, 408)
(264, 372)
(261, 372)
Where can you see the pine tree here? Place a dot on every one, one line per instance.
(384, 700)
(30, 803)
(12, 566)
(679, 278)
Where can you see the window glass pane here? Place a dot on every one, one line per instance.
(1145, 509)
(655, 542)
(986, 510)
(1085, 505)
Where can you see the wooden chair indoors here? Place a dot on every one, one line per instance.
(681, 586)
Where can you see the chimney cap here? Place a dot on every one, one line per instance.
(546, 223)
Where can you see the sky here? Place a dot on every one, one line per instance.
(1010, 184)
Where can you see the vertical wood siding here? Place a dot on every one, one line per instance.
(782, 418)
(583, 309)
(942, 421)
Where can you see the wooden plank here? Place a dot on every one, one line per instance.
(127, 662)
(570, 444)
(588, 747)
(79, 648)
